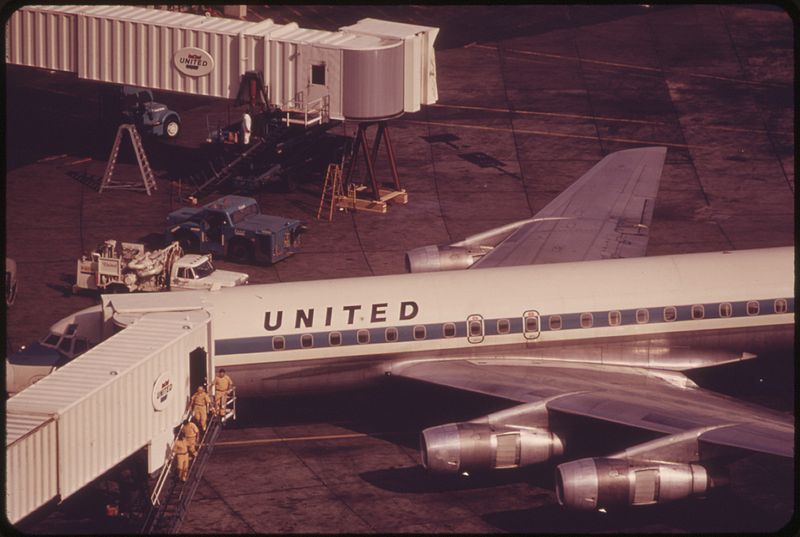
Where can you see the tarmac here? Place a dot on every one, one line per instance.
(530, 98)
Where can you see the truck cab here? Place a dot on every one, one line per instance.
(193, 271)
(150, 117)
(233, 226)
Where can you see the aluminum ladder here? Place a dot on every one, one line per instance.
(148, 179)
(331, 188)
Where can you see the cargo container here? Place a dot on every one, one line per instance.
(371, 70)
(126, 393)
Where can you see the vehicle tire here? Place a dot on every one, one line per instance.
(117, 289)
(172, 127)
(240, 251)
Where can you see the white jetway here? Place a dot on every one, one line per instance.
(371, 70)
(127, 393)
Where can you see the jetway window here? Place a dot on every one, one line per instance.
(503, 326)
(780, 306)
(555, 322)
(335, 339)
(318, 74)
(725, 309)
(752, 307)
(391, 334)
(698, 311)
(362, 336)
(306, 341)
(670, 314)
(586, 320)
(614, 318)
(449, 329)
(278, 343)
(642, 316)
(419, 332)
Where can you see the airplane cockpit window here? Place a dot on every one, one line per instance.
(51, 340)
(81, 346)
(66, 345)
(71, 329)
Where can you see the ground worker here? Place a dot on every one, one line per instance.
(247, 128)
(222, 385)
(190, 431)
(181, 451)
(200, 404)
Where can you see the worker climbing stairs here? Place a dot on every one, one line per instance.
(171, 496)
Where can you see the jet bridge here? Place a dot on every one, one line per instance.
(372, 70)
(126, 393)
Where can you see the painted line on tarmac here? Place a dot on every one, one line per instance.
(304, 438)
(563, 135)
(81, 161)
(599, 118)
(631, 66)
(52, 157)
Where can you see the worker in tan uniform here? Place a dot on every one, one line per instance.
(200, 404)
(181, 451)
(190, 431)
(222, 385)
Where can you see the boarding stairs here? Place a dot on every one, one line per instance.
(148, 180)
(171, 497)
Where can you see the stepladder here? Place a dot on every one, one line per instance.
(331, 189)
(148, 180)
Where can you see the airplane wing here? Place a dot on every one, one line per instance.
(605, 214)
(645, 399)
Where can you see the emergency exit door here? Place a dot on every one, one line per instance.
(198, 369)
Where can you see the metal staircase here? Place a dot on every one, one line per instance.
(171, 497)
(148, 179)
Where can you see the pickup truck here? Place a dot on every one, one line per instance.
(139, 108)
(126, 266)
(234, 227)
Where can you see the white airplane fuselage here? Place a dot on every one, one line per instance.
(667, 312)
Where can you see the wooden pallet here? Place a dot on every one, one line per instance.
(370, 205)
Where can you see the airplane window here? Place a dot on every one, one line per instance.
(449, 329)
(555, 322)
(614, 318)
(670, 313)
(780, 306)
(586, 320)
(335, 339)
(475, 328)
(698, 312)
(503, 326)
(725, 309)
(306, 341)
(391, 334)
(362, 336)
(531, 324)
(419, 332)
(642, 316)
(278, 343)
(752, 307)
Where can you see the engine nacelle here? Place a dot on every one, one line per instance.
(598, 483)
(437, 258)
(463, 447)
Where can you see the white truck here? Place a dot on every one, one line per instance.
(126, 266)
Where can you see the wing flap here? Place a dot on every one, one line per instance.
(605, 214)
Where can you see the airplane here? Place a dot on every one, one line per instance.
(560, 314)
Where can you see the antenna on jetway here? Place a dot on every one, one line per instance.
(148, 179)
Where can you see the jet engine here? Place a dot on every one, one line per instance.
(462, 447)
(598, 483)
(436, 258)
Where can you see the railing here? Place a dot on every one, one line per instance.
(313, 112)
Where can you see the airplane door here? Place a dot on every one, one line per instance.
(198, 367)
(474, 328)
(530, 324)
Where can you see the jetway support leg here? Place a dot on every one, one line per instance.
(371, 155)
